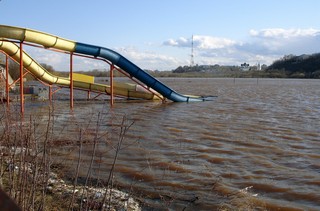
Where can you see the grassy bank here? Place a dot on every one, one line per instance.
(30, 175)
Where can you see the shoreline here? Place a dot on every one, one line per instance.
(58, 192)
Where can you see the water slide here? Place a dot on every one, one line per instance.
(3, 75)
(52, 41)
(3, 82)
(120, 89)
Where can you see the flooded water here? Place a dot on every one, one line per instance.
(256, 145)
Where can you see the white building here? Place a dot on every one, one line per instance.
(245, 67)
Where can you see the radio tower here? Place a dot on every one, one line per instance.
(192, 53)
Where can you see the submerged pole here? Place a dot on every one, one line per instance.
(21, 80)
(111, 85)
(50, 94)
(71, 81)
(7, 81)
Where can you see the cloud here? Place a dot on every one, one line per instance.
(54, 59)
(180, 42)
(201, 42)
(285, 41)
(61, 61)
(264, 46)
(149, 59)
(279, 33)
(207, 42)
(144, 59)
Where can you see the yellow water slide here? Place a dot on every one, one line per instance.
(9, 33)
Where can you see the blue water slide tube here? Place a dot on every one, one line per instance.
(134, 71)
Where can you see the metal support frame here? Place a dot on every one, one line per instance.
(7, 81)
(51, 91)
(95, 97)
(54, 91)
(71, 81)
(141, 84)
(111, 85)
(21, 80)
(50, 94)
(88, 95)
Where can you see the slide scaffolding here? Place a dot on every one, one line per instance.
(24, 72)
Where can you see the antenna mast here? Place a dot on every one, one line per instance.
(192, 53)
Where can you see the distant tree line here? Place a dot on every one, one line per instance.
(291, 66)
(204, 68)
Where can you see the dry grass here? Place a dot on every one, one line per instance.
(29, 175)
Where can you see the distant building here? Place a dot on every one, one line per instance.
(258, 66)
(245, 67)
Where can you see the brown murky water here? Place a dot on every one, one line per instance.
(256, 145)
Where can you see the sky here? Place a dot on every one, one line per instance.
(157, 34)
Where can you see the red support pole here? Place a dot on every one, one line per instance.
(50, 94)
(71, 81)
(111, 84)
(21, 80)
(88, 95)
(7, 81)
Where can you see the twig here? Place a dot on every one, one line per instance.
(77, 172)
(121, 138)
(92, 157)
